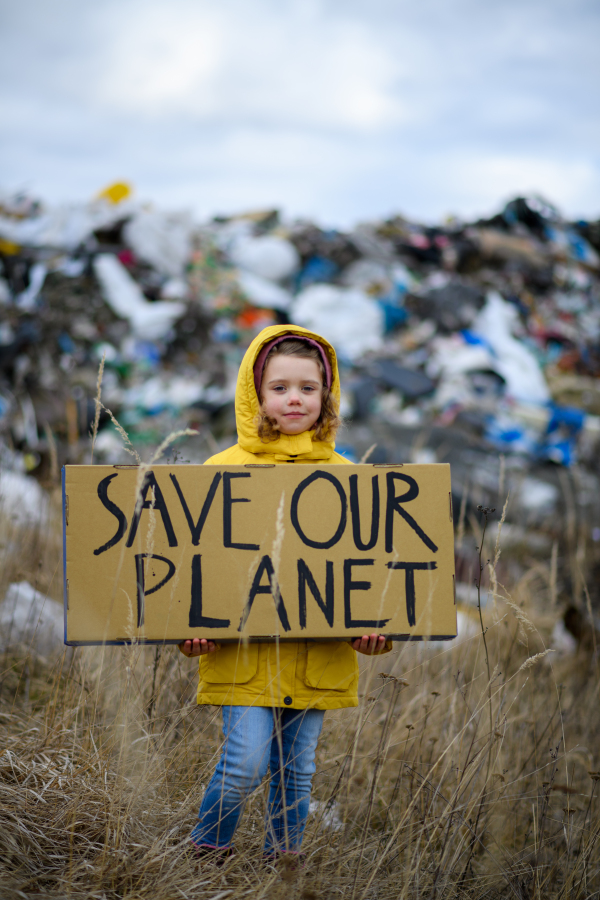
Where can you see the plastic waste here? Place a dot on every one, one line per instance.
(26, 300)
(62, 227)
(22, 501)
(116, 192)
(499, 246)
(161, 239)
(422, 345)
(268, 257)
(453, 305)
(159, 393)
(31, 619)
(316, 269)
(513, 360)
(569, 244)
(149, 321)
(410, 383)
(348, 318)
(537, 496)
(261, 292)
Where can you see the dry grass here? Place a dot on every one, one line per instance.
(104, 756)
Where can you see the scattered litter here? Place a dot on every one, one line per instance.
(562, 640)
(148, 320)
(269, 257)
(22, 500)
(29, 618)
(466, 626)
(538, 496)
(352, 321)
(327, 813)
(514, 361)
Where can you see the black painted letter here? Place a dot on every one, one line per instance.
(196, 529)
(355, 510)
(156, 502)
(142, 593)
(197, 618)
(305, 577)
(272, 588)
(394, 504)
(350, 586)
(228, 502)
(409, 582)
(117, 513)
(320, 545)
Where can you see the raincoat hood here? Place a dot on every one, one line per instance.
(247, 407)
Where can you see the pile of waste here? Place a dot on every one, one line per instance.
(474, 343)
(492, 326)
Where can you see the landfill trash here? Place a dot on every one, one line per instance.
(263, 293)
(452, 303)
(26, 299)
(537, 496)
(163, 241)
(328, 814)
(467, 627)
(514, 362)
(350, 319)
(410, 383)
(22, 500)
(489, 327)
(269, 257)
(562, 641)
(148, 321)
(473, 343)
(61, 228)
(160, 392)
(116, 192)
(29, 618)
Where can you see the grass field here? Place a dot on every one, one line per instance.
(469, 769)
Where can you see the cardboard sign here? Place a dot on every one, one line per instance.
(259, 552)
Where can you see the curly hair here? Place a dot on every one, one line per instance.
(329, 420)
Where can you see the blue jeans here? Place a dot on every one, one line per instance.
(258, 738)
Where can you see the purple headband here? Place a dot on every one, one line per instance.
(259, 365)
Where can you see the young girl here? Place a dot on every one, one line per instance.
(274, 696)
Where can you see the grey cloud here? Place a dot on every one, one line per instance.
(505, 88)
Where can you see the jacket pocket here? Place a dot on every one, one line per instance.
(331, 666)
(230, 664)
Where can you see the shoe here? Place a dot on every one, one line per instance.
(216, 856)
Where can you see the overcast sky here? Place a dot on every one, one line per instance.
(334, 109)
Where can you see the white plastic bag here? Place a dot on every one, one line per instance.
(268, 257)
(149, 321)
(514, 361)
(348, 318)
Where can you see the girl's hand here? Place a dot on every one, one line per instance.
(197, 647)
(369, 644)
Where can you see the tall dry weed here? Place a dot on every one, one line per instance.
(469, 769)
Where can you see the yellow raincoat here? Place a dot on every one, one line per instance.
(295, 674)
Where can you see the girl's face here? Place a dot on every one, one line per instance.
(291, 392)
